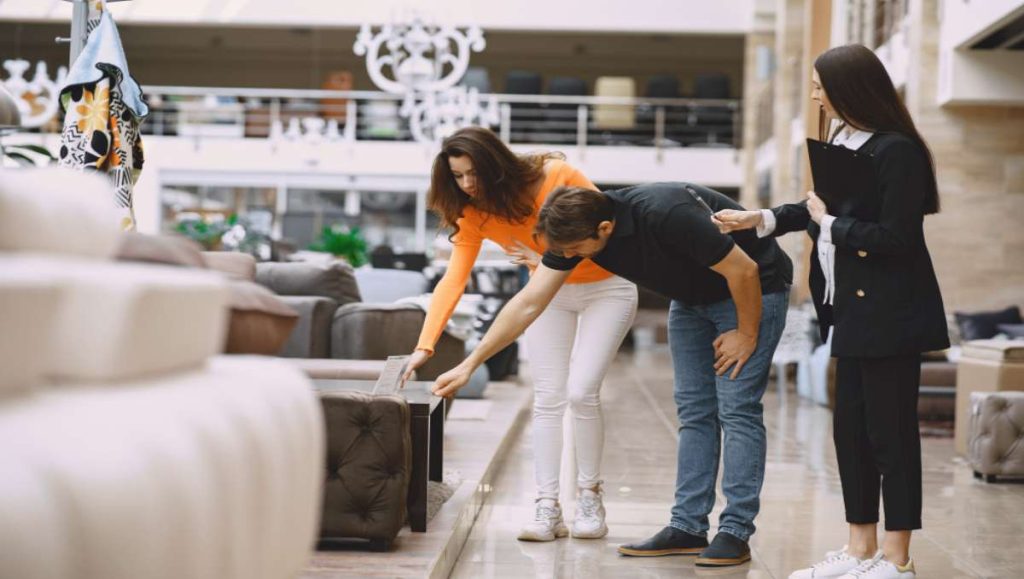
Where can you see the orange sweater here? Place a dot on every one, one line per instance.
(474, 228)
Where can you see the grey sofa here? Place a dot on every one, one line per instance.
(334, 321)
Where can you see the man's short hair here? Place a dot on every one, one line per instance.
(572, 214)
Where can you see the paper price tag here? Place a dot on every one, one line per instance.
(390, 379)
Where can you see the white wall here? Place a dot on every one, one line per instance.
(676, 16)
(964, 21)
(977, 77)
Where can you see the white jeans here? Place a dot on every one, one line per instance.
(570, 347)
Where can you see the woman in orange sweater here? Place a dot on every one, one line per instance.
(482, 190)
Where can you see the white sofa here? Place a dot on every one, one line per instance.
(128, 448)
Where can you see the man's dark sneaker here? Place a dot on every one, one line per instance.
(725, 550)
(668, 541)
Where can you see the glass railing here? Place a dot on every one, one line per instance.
(212, 113)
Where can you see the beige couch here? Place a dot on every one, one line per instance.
(132, 449)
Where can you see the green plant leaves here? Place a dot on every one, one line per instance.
(341, 241)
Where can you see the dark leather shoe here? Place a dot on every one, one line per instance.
(725, 550)
(668, 541)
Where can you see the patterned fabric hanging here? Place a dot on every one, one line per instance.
(103, 112)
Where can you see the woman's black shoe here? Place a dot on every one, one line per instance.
(668, 541)
(725, 550)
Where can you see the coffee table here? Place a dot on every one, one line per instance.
(427, 430)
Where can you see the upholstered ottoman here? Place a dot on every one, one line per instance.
(369, 464)
(996, 446)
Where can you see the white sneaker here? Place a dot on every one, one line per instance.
(878, 568)
(589, 522)
(836, 563)
(547, 524)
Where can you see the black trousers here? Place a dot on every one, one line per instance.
(878, 445)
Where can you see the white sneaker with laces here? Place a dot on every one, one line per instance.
(589, 522)
(547, 524)
(878, 568)
(836, 563)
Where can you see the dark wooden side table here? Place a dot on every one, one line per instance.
(427, 430)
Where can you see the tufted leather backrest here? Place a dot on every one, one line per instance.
(997, 433)
(369, 462)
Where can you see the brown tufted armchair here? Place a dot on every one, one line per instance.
(369, 462)
(996, 446)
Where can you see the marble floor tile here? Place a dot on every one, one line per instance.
(970, 529)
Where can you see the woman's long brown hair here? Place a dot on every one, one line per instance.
(864, 97)
(504, 180)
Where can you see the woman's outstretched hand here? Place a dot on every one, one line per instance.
(521, 254)
(729, 220)
(450, 382)
(416, 359)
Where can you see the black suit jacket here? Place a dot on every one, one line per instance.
(887, 300)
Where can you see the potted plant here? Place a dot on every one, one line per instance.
(342, 242)
(206, 234)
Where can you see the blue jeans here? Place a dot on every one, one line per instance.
(709, 405)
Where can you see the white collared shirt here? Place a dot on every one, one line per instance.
(851, 139)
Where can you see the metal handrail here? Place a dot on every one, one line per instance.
(523, 118)
(377, 95)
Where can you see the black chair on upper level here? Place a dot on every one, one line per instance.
(526, 117)
(661, 86)
(715, 123)
(561, 118)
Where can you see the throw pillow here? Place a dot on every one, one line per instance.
(984, 325)
(260, 322)
(1015, 331)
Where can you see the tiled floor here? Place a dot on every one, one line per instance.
(971, 529)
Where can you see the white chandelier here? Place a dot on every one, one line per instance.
(37, 99)
(423, 63)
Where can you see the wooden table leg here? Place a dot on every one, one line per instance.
(437, 442)
(417, 503)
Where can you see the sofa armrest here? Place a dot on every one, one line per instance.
(311, 337)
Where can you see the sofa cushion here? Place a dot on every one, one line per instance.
(260, 322)
(159, 249)
(1000, 350)
(28, 308)
(117, 321)
(333, 280)
(984, 325)
(58, 211)
(234, 264)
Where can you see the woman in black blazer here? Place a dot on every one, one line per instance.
(873, 284)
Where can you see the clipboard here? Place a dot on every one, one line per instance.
(843, 178)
